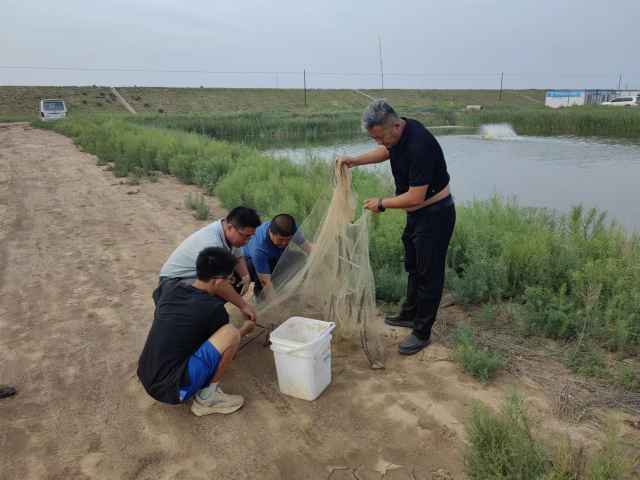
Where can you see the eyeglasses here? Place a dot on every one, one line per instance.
(241, 233)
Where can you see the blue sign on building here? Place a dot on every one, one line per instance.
(565, 93)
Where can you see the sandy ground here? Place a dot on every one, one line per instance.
(79, 256)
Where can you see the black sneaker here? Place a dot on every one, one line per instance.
(412, 345)
(399, 320)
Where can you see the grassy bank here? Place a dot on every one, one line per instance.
(264, 129)
(579, 121)
(504, 445)
(574, 277)
(260, 116)
(273, 129)
(23, 100)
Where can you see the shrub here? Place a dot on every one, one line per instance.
(199, 204)
(574, 273)
(391, 284)
(501, 446)
(586, 359)
(610, 463)
(477, 362)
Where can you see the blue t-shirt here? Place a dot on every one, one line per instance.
(261, 251)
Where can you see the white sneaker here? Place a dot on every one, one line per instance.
(219, 402)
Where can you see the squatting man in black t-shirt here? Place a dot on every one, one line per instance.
(191, 342)
(422, 190)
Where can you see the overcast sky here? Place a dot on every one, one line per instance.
(425, 43)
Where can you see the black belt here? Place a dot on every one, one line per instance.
(436, 207)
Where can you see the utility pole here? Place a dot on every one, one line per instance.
(381, 65)
(304, 79)
(501, 80)
(619, 81)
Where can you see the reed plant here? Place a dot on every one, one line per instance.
(583, 121)
(264, 129)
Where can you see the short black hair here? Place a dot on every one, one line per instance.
(283, 224)
(214, 262)
(244, 217)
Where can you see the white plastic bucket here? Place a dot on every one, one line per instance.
(302, 350)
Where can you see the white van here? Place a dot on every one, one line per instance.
(630, 101)
(52, 109)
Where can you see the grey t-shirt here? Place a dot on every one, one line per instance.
(182, 262)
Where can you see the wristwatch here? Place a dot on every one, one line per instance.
(380, 207)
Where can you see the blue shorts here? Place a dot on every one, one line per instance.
(202, 367)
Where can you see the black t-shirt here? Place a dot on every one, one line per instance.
(184, 319)
(417, 160)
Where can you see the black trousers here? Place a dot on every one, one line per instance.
(426, 239)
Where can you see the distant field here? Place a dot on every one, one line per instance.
(22, 102)
(260, 115)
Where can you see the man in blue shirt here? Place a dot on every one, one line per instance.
(267, 246)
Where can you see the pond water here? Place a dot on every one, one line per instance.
(551, 172)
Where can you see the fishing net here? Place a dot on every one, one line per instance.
(334, 282)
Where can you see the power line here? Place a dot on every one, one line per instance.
(319, 73)
(143, 70)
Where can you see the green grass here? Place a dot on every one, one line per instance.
(610, 462)
(198, 204)
(576, 275)
(503, 445)
(480, 363)
(15, 118)
(579, 121)
(24, 102)
(238, 100)
(264, 129)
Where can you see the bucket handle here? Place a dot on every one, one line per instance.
(329, 329)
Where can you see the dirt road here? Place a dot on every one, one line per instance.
(79, 257)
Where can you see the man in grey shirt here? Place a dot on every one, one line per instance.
(229, 233)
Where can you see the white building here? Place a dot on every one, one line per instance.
(564, 98)
(568, 98)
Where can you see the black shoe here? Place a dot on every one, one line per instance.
(412, 345)
(400, 320)
(7, 391)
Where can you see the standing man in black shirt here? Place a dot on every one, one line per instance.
(191, 342)
(422, 190)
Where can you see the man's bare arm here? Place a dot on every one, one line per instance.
(377, 155)
(241, 267)
(228, 293)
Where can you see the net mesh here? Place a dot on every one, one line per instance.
(334, 282)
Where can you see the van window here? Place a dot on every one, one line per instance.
(53, 106)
